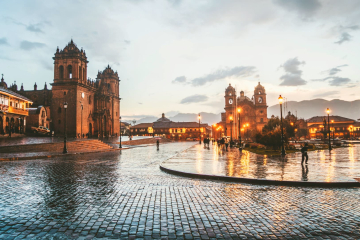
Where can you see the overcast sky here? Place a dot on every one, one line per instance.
(179, 55)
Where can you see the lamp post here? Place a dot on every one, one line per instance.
(65, 107)
(82, 108)
(239, 110)
(120, 133)
(282, 130)
(213, 131)
(332, 121)
(328, 113)
(199, 129)
(231, 123)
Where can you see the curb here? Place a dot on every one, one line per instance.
(263, 181)
(58, 155)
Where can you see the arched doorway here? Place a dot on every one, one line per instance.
(12, 124)
(104, 126)
(22, 126)
(90, 129)
(7, 126)
(1, 125)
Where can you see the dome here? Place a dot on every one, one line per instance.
(230, 88)
(163, 119)
(259, 89)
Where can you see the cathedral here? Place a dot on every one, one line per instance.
(93, 105)
(253, 112)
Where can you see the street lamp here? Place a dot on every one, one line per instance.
(332, 121)
(120, 133)
(213, 132)
(281, 100)
(65, 107)
(199, 129)
(239, 110)
(231, 123)
(328, 112)
(82, 108)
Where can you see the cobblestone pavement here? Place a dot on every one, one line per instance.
(342, 165)
(113, 195)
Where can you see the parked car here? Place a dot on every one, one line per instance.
(41, 130)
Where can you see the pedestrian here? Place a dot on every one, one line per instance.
(304, 154)
(157, 144)
(226, 144)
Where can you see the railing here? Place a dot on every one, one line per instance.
(18, 111)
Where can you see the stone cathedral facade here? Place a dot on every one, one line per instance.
(253, 112)
(93, 105)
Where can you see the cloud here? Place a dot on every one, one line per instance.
(345, 37)
(293, 74)
(3, 41)
(305, 8)
(181, 79)
(194, 99)
(343, 33)
(241, 71)
(334, 80)
(335, 70)
(337, 81)
(26, 45)
(140, 103)
(127, 41)
(326, 94)
(34, 28)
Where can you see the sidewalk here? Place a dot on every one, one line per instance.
(13, 135)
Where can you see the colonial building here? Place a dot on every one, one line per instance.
(93, 106)
(340, 127)
(171, 130)
(37, 117)
(13, 110)
(253, 112)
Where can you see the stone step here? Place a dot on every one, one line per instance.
(73, 146)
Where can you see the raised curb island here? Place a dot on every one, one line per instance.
(262, 181)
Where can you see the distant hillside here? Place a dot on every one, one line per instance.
(209, 118)
(317, 107)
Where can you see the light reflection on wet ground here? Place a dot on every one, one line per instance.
(126, 195)
(40, 139)
(341, 165)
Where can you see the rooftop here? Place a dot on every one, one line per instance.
(6, 91)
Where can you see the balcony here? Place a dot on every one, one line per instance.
(18, 111)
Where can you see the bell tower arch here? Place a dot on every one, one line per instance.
(70, 64)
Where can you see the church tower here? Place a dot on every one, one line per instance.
(71, 85)
(70, 64)
(260, 106)
(230, 108)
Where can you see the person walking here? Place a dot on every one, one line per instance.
(226, 144)
(304, 154)
(157, 144)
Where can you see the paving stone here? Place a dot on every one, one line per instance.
(126, 196)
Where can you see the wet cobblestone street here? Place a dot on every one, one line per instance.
(126, 195)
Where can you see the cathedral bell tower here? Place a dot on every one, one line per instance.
(230, 104)
(70, 64)
(260, 106)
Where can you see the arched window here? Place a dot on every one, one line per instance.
(89, 99)
(108, 85)
(84, 75)
(80, 73)
(64, 93)
(59, 110)
(69, 68)
(61, 72)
